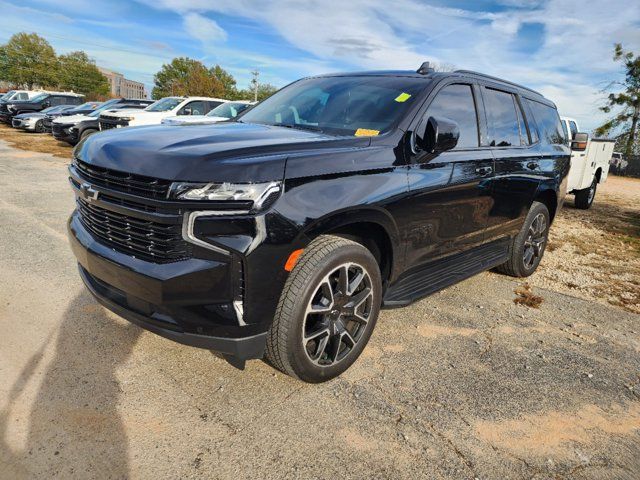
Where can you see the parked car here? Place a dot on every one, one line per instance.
(18, 95)
(221, 113)
(72, 129)
(37, 104)
(284, 232)
(33, 121)
(83, 109)
(590, 161)
(154, 113)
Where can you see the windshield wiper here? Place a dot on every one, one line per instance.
(298, 126)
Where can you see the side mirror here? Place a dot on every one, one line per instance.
(46, 104)
(440, 134)
(579, 142)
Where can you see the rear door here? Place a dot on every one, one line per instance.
(517, 161)
(449, 194)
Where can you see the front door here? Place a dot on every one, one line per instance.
(450, 194)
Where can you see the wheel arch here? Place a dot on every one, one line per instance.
(370, 227)
(549, 198)
(598, 174)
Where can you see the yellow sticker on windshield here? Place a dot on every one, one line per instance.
(403, 97)
(365, 132)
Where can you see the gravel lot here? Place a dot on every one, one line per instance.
(464, 384)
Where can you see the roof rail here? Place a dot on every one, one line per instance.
(484, 75)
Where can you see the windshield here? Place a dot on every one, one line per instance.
(7, 95)
(39, 97)
(357, 105)
(164, 104)
(104, 106)
(228, 110)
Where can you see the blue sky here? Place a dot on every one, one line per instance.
(560, 47)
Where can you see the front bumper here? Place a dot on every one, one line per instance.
(63, 133)
(187, 302)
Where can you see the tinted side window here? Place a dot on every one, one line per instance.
(564, 128)
(22, 96)
(524, 138)
(548, 123)
(533, 130)
(456, 102)
(504, 130)
(197, 108)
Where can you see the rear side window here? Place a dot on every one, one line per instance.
(548, 122)
(502, 117)
(456, 103)
(564, 128)
(22, 96)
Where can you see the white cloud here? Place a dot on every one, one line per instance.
(203, 28)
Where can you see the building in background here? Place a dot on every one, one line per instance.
(123, 87)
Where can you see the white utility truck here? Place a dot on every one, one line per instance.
(590, 158)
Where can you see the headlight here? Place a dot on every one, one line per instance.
(128, 119)
(258, 193)
(72, 129)
(11, 107)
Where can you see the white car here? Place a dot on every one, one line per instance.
(223, 112)
(18, 95)
(156, 112)
(590, 160)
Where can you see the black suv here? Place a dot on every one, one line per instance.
(284, 232)
(84, 109)
(38, 103)
(75, 128)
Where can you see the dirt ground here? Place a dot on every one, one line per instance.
(595, 253)
(464, 384)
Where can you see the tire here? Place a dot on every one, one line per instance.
(533, 237)
(87, 132)
(39, 127)
(584, 198)
(307, 339)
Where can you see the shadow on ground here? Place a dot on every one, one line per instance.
(74, 429)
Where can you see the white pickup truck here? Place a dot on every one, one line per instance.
(590, 159)
(154, 113)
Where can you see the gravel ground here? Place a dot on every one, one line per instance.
(464, 384)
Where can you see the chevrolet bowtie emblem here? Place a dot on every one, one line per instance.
(88, 193)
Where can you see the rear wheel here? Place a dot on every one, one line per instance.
(527, 248)
(584, 198)
(327, 310)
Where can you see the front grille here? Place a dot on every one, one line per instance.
(59, 128)
(147, 240)
(124, 182)
(106, 123)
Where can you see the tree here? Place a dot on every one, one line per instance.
(184, 77)
(79, 73)
(226, 79)
(30, 61)
(626, 102)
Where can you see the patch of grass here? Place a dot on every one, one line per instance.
(524, 296)
(35, 142)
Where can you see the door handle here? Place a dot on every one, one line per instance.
(484, 170)
(532, 165)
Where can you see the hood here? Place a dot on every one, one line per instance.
(123, 112)
(179, 120)
(229, 152)
(71, 118)
(31, 115)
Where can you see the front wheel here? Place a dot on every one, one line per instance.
(584, 198)
(527, 248)
(39, 127)
(327, 310)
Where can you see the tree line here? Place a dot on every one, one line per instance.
(186, 76)
(27, 60)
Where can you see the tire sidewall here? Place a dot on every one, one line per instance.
(303, 367)
(536, 209)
